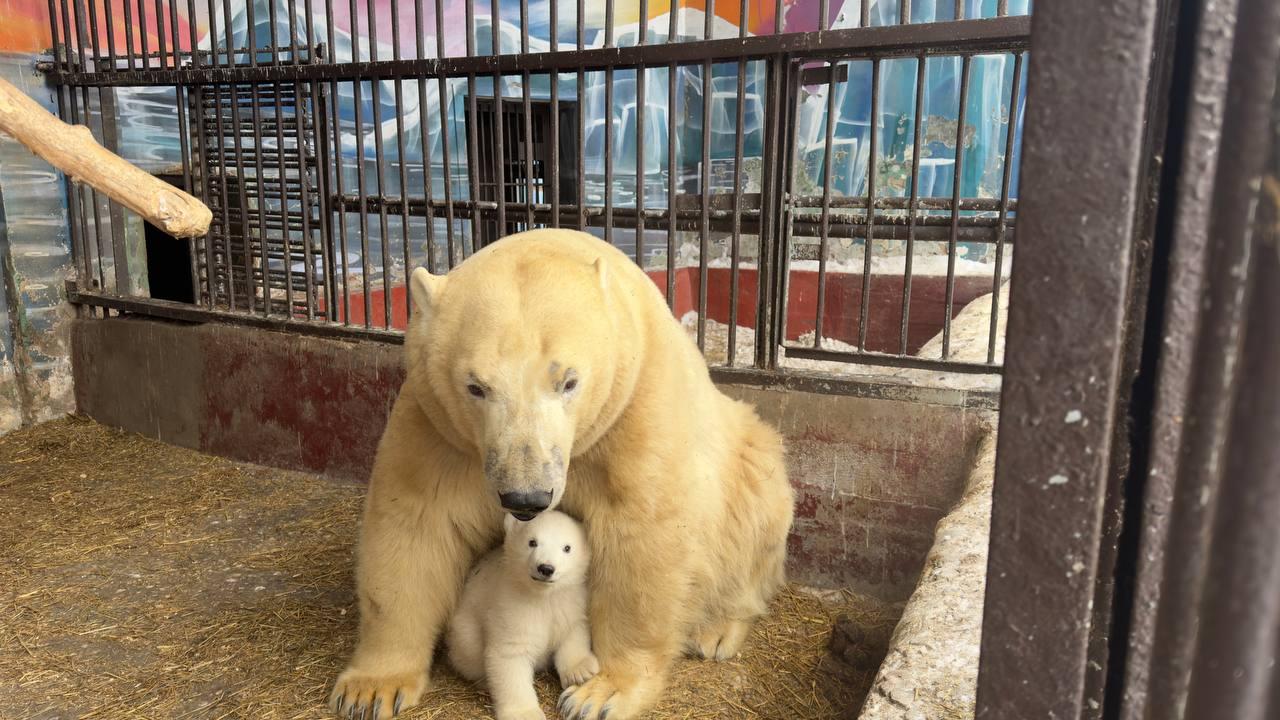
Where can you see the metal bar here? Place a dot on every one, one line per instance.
(284, 196)
(111, 36)
(955, 208)
(160, 39)
(554, 80)
(363, 206)
(991, 35)
(79, 243)
(59, 44)
(704, 228)
(224, 197)
(1211, 400)
(990, 205)
(73, 57)
(190, 313)
(342, 215)
(867, 357)
(608, 152)
(142, 33)
(877, 388)
(211, 9)
(184, 150)
(427, 180)
(785, 184)
(829, 131)
(772, 240)
(735, 247)
(872, 159)
(642, 77)
(641, 108)
(530, 197)
(672, 172)
(1010, 134)
(259, 181)
(204, 173)
(1238, 624)
(320, 105)
(921, 64)
(972, 230)
(1077, 228)
(379, 159)
(115, 211)
(304, 177)
(582, 119)
(499, 123)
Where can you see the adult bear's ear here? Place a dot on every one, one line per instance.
(602, 273)
(425, 290)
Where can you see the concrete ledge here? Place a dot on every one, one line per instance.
(873, 475)
(931, 670)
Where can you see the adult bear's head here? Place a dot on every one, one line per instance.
(524, 355)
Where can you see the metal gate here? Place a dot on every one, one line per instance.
(341, 145)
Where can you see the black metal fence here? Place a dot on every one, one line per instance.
(836, 194)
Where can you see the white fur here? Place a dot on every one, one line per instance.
(510, 623)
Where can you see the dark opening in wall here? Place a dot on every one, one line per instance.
(168, 259)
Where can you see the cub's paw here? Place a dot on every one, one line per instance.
(580, 671)
(532, 712)
(721, 641)
(597, 699)
(371, 696)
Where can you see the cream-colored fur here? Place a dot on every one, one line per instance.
(523, 606)
(590, 390)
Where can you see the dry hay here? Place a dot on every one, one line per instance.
(140, 580)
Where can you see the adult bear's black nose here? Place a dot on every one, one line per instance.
(525, 505)
(546, 571)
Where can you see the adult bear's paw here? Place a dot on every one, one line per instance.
(600, 698)
(374, 696)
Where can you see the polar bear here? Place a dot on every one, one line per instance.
(526, 604)
(546, 372)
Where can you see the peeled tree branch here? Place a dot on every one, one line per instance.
(73, 150)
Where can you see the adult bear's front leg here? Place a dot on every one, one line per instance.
(639, 608)
(424, 523)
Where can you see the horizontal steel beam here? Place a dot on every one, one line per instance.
(1003, 34)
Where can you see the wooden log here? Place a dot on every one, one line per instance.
(73, 150)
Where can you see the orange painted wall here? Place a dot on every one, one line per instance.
(24, 26)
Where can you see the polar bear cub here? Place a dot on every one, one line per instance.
(523, 605)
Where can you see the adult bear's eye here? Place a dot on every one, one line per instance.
(533, 543)
(476, 391)
(566, 548)
(570, 384)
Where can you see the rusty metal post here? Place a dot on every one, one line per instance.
(1085, 177)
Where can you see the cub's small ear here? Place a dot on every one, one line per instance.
(602, 273)
(509, 523)
(425, 289)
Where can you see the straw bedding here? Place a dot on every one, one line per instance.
(140, 580)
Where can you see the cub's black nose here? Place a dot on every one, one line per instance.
(546, 571)
(525, 505)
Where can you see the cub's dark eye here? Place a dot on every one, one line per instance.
(566, 548)
(476, 391)
(533, 543)
(570, 384)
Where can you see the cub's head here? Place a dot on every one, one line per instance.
(549, 549)
(514, 357)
